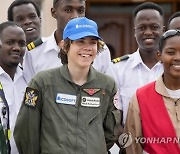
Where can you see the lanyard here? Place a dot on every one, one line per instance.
(5, 111)
(3, 146)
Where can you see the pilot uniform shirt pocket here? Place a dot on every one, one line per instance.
(126, 94)
(91, 106)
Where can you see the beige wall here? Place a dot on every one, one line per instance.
(48, 22)
(3, 11)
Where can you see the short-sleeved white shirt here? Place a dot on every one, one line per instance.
(131, 74)
(45, 56)
(14, 92)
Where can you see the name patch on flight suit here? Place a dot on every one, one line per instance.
(90, 101)
(31, 97)
(66, 99)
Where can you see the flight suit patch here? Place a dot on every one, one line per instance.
(90, 101)
(91, 91)
(66, 99)
(31, 97)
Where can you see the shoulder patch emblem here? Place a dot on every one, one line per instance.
(116, 60)
(34, 44)
(31, 97)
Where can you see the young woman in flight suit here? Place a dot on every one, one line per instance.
(70, 109)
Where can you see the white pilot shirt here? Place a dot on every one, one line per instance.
(131, 74)
(14, 93)
(45, 56)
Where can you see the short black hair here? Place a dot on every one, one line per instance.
(21, 2)
(176, 14)
(55, 2)
(148, 5)
(6, 24)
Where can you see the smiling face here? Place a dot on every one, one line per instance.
(82, 52)
(25, 15)
(13, 45)
(170, 57)
(148, 26)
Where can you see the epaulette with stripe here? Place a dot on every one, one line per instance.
(34, 44)
(116, 60)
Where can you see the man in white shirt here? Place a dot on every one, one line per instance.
(142, 66)
(45, 56)
(26, 14)
(12, 49)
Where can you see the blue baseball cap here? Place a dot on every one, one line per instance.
(78, 28)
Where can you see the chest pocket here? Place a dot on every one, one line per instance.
(92, 107)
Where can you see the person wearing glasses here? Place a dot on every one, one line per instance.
(154, 112)
(174, 21)
(70, 109)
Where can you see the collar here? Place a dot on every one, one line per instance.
(2, 71)
(136, 59)
(17, 75)
(51, 44)
(65, 73)
(160, 87)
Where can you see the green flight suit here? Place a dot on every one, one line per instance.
(60, 117)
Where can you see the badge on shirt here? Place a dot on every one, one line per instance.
(91, 91)
(31, 97)
(66, 99)
(90, 101)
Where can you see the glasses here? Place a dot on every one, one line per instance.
(170, 33)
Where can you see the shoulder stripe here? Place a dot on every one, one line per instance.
(116, 60)
(29, 46)
(34, 44)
